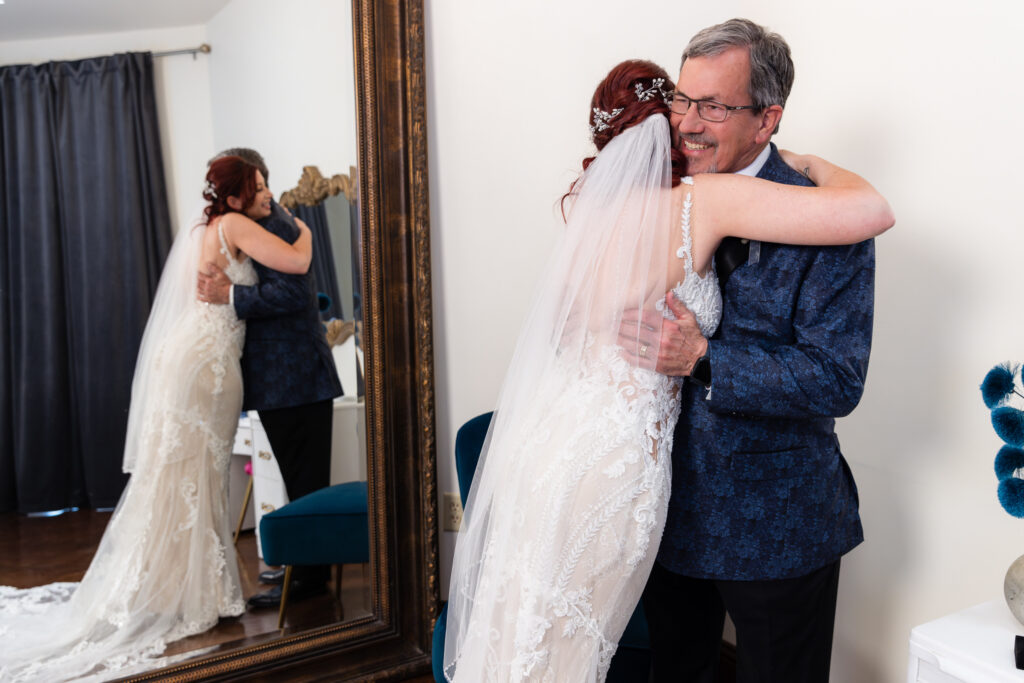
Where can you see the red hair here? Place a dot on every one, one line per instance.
(618, 90)
(229, 177)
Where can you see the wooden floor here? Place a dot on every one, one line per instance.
(35, 551)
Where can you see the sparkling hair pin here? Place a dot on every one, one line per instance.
(601, 119)
(657, 88)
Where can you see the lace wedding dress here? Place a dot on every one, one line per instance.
(564, 519)
(166, 567)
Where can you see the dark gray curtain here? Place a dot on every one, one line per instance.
(325, 275)
(84, 231)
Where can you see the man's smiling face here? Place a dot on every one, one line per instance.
(726, 146)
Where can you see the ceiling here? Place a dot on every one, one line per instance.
(34, 19)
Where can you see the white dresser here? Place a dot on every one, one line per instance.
(974, 645)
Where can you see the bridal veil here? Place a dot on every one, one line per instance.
(610, 263)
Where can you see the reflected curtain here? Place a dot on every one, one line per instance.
(323, 256)
(84, 231)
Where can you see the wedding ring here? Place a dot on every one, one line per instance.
(643, 350)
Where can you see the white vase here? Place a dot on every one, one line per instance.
(1013, 588)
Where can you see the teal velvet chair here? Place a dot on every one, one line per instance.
(632, 660)
(328, 526)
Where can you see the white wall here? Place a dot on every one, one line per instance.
(182, 97)
(881, 88)
(284, 84)
(279, 79)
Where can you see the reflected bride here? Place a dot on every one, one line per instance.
(165, 568)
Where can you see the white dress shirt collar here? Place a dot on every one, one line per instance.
(755, 167)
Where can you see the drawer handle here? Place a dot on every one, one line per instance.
(248, 442)
(265, 455)
(266, 507)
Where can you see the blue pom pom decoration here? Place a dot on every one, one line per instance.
(324, 303)
(1011, 496)
(997, 385)
(1008, 461)
(1009, 425)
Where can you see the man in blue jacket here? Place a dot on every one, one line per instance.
(288, 374)
(763, 504)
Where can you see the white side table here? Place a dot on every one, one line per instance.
(971, 646)
(268, 490)
(348, 441)
(238, 479)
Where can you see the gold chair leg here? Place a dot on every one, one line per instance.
(284, 595)
(337, 592)
(245, 508)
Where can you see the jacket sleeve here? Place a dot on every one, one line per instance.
(820, 371)
(276, 293)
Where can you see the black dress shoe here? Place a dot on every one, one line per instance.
(300, 590)
(272, 577)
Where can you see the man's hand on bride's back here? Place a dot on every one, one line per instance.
(214, 286)
(674, 351)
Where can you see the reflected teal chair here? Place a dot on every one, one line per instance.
(632, 660)
(328, 526)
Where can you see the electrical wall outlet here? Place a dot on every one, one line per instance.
(451, 512)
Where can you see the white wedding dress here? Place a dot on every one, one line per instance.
(565, 517)
(166, 566)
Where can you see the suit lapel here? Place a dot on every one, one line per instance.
(730, 255)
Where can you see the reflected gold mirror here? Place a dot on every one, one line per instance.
(384, 291)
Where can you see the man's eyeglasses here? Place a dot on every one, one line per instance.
(709, 110)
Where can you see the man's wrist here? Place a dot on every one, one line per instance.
(701, 371)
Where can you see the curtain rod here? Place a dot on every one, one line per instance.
(204, 48)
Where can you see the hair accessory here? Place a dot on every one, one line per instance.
(211, 189)
(657, 88)
(601, 118)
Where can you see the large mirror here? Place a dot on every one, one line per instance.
(383, 289)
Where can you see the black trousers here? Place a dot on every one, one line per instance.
(783, 627)
(301, 439)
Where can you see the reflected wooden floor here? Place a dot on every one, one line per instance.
(39, 550)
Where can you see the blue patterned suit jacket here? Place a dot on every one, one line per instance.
(286, 361)
(760, 489)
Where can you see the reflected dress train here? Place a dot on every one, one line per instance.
(165, 568)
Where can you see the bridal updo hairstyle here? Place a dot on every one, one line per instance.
(618, 90)
(228, 177)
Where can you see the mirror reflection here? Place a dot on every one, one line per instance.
(295, 106)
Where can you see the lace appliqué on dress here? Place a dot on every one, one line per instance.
(700, 294)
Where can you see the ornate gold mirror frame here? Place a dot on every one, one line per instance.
(393, 643)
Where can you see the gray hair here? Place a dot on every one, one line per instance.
(771, 66)
(250, 156)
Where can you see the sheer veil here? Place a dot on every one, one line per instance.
(175, 295)
(611, 261)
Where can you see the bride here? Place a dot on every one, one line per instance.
(166, 566)
(566, 511)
